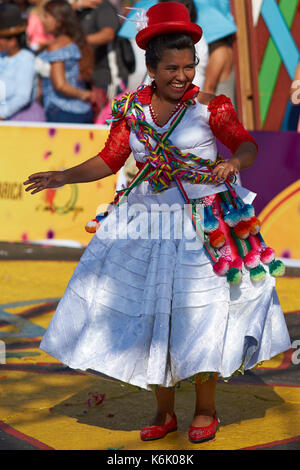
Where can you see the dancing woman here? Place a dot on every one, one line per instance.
(153, 311)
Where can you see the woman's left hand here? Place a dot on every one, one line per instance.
(225, 169)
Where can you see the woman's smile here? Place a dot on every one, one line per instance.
(174, 73)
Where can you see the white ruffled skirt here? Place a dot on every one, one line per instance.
(149, 310)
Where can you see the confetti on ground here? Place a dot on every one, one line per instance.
(96, 399)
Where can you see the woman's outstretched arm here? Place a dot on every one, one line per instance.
(108, 162)
(91, 170)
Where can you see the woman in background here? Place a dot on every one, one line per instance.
(65, 67)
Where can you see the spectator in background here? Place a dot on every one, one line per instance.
(17, 71)
(109, 78)
(23, 5)
(220, 77)
(65, 66)
(37, 38)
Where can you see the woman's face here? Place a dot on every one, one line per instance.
(174, 73)
(49, 22)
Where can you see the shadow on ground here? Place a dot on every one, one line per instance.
(124, 408)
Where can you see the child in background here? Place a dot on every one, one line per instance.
(65, 66)
(36, 36)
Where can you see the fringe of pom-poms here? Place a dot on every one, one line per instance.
(245, 226)
(241, 218)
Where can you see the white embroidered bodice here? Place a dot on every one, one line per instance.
(192, 134)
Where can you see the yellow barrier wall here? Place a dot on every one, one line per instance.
(55, 213)
(281, 222)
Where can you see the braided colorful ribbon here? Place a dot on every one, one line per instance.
(165, 158)
(167, 162)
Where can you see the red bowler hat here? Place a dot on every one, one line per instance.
(168, 17)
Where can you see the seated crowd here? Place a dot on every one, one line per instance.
(63, 60)
(59, 60)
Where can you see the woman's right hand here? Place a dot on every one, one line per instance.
(48, 179)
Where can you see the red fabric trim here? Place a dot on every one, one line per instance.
(223, 122)
(116, 149)
(145, 94)
(225, 125)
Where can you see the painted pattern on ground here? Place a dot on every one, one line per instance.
(45, 405)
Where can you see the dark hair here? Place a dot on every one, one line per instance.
(157, 46)
(190, 6)
(68, 24)
(21, 40)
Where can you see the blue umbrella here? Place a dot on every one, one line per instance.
(128, 29)
(214, 17)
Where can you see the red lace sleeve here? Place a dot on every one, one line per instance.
(116, 149)
(225, 125)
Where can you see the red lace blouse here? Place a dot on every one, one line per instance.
(223, 122)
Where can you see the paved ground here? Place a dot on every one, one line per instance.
(45, 405)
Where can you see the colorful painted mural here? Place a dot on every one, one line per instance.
(275, 47)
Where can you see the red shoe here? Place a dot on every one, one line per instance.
(205, 433)
(157, 432)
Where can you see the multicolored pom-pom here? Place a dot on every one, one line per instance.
(267, 255)
(234, 275)
(233, 217)
(247, 212)
(237, 263)
(92, 226)
(221, 267)
(257, 274)
(102, 216)
(211, 223)
(252, 259)
(242, 229)
(254, 225)
(217, 239)
(276, 268)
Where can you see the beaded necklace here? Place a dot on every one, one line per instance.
(154, 116)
